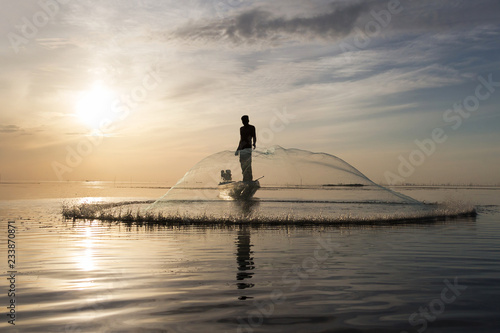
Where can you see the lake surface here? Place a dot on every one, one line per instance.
(93, 276)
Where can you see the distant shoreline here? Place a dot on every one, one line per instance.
(163, 185)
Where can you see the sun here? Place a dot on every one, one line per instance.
(96, 105)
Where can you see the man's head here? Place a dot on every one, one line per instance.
(245, 120)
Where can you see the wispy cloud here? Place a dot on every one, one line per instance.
(255, 25)
(9, 129)
(261, 24)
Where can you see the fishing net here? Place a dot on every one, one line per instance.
(284, 175)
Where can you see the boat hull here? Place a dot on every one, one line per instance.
(238, 190)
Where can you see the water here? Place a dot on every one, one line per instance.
(92, 276)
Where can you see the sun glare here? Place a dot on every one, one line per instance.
(86, 259)
(95, 105)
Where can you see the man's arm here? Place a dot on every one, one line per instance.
(254, 136)
(239, 143)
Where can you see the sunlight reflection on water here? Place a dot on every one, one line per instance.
(85, 259)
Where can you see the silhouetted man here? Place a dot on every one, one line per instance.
(247, 135)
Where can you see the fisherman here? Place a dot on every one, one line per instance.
(247, 135)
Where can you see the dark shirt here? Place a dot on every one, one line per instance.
(247, 133)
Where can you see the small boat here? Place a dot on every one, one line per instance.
(240, 190)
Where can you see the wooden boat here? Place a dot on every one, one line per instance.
(238, 190)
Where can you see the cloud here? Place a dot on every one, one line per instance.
(341, 19)
(253, 25)
(449, 14)
(9, 129)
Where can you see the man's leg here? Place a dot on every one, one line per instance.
(246, 164)
(248, 177)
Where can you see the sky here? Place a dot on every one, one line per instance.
(141, 90)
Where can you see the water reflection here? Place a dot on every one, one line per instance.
(246, 207)
(244, 253)
(86, 259)
(90, 200)
(244, 260)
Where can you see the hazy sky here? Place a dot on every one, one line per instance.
(405, 91)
